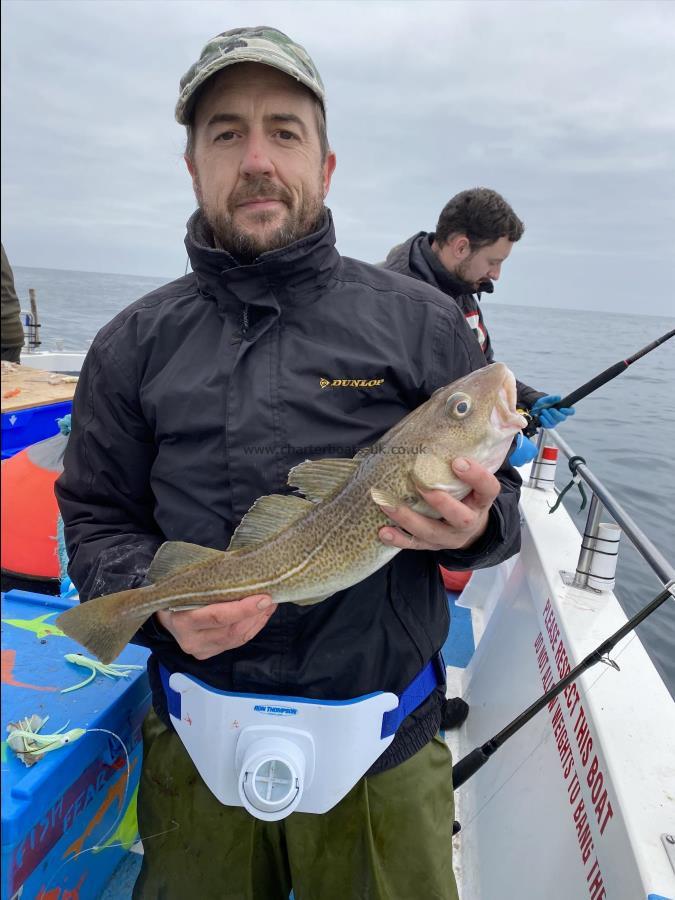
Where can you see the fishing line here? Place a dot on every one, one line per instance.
(126, 786)
(548, 736)
(120, 814)
(143, 840)
(99, 846)
(477, 758)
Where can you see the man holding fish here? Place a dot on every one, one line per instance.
(191, 421)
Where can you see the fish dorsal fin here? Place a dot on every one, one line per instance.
(266, 518)
(175, 555)
(319, 478)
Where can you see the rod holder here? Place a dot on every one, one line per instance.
(596, 567)
(605, 555)
(542, 474)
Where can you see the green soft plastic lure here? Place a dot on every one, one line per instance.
(110, 671)
(30, 746)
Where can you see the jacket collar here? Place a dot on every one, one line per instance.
(294, 275)
(421, 261)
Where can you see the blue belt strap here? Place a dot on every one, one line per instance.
(172, 697)
(431, 676)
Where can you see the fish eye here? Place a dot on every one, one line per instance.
(458, 405)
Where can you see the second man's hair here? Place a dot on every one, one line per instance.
(482, 215)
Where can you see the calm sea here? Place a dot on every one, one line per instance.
(625, 431)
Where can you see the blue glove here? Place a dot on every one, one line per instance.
(525, 450)
(549, 417)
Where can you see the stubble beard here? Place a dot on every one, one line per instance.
(462, 272)
(246, 245)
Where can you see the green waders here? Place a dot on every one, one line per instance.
(390, 838)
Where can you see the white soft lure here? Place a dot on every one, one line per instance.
(96, 668)
(30, 746)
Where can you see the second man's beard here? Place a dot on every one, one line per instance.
(462, 273)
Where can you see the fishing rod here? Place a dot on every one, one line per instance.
(598, 381)
(472, 762)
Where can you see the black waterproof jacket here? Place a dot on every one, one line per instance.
(12, 329)
(199, 398)
(416, 258)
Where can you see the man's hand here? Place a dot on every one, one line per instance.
(211, 630)
(462, 522)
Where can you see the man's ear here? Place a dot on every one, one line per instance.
(327, 171)
(461, 246)
(190, 165)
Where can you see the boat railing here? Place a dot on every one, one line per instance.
(599, 546)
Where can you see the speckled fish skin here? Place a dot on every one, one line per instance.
(334, 541)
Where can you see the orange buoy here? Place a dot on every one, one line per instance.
(30, 512)
(455, 581)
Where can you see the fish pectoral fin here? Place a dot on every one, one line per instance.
(423, 509)
(318, 479)
(310, 601)
(266, 518)
(384, 498)
(175, 555)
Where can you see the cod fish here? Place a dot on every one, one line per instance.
(303, 549)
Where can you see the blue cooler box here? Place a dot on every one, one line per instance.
(69, 801)
(28, 426)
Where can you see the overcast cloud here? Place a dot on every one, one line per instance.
(568, 109)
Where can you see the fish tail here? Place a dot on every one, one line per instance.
(104, 625)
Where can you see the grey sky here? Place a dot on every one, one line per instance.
(568, 109)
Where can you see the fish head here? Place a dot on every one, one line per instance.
(473, 417)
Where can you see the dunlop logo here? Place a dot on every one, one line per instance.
(351, 382)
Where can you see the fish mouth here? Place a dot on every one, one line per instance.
(504, 417)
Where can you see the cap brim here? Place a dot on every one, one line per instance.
(185, 105)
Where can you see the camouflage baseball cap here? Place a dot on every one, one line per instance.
(259, 45)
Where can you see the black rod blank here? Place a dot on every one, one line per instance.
(610, 373)
(472, 762)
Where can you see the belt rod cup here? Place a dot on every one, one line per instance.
(274, 755)
(272, 777)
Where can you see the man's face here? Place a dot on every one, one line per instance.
(475, 266)
(256, 166)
